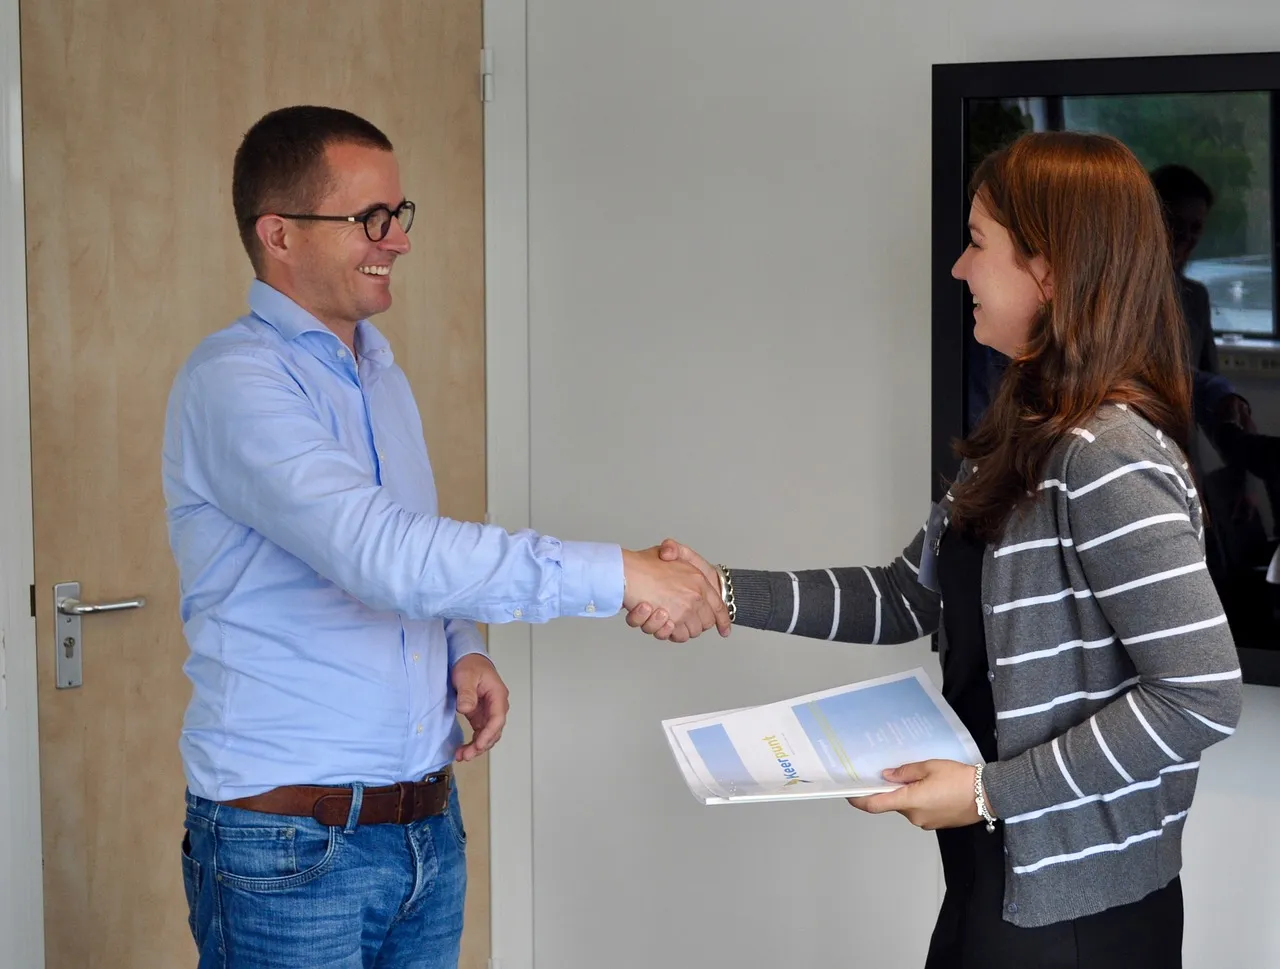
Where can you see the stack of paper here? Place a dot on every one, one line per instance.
(830, 744)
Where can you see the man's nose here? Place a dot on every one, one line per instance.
(397, 240)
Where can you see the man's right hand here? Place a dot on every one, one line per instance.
(688, 598)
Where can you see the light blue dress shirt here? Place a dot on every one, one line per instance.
(323, 598)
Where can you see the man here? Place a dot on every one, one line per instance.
(328, 608)
(1187, 200)
(1235, 531)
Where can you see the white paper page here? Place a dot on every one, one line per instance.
(834, 743)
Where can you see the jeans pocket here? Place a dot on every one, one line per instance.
(191, 883)
(267, 854)
(454, 815)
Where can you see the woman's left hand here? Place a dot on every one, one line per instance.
(937, 794)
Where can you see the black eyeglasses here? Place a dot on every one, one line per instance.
(376, 221)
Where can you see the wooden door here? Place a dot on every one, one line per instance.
(132, 111)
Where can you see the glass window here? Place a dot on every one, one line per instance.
(1222, 140)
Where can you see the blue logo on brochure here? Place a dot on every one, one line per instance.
(784, 760)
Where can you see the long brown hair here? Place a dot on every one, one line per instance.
(1112, 332)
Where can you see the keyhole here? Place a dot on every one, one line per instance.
(69, 644)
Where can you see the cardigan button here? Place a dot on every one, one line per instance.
(1013, 908)
(986, 608)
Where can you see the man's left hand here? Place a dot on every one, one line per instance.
(937, 794)
(483, 700)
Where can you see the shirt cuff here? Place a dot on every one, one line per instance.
(463, 639)
(591, 579)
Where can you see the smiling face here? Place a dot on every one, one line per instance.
(1007, 292)
(332, 269)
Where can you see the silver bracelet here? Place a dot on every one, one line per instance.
(981, 799)
(726, 591)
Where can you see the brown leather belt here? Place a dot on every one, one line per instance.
(394, 804)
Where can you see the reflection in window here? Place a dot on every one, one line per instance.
(1223, 139)
(1211, 162)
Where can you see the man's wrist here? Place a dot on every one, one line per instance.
(456, 658)
(593, 579)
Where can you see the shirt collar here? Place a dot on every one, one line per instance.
(281, 313)
(291, 321)
(373, 346)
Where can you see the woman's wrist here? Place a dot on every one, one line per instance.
(726, 591)
(980, 798)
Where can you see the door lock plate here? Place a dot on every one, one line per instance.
(68, 647)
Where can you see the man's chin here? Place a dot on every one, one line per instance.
(372, 307)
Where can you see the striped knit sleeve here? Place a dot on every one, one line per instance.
(1134, 521)
(859, 604)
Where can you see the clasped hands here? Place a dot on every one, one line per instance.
(689, 603)
(934, 793)
(672, 593)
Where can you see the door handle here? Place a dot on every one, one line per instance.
(68, 644)
(69, 606)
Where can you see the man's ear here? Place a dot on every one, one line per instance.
(273, 235)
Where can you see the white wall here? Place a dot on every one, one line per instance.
(728, 245)
(21, 888)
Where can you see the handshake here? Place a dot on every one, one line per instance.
(673, 593)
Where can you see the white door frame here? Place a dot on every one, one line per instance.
(506, 190)
(21, 871)
(507, 408)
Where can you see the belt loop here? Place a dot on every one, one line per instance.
(357, 799)
(406, 802)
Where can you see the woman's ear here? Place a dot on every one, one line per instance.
(1043, 275)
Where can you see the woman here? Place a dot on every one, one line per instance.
(1082, 641)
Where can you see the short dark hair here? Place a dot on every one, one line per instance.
(280, 163)
(1174, 183)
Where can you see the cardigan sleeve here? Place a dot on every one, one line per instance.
(852, 604)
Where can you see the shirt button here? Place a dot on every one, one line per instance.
(416, 657)
(342, 353)
(518, 613)
(419, 728)
(591, 607)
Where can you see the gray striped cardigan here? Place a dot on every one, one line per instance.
(1110, 660)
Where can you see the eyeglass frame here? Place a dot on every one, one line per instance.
(362, 218)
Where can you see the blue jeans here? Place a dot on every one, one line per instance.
(266, 890)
